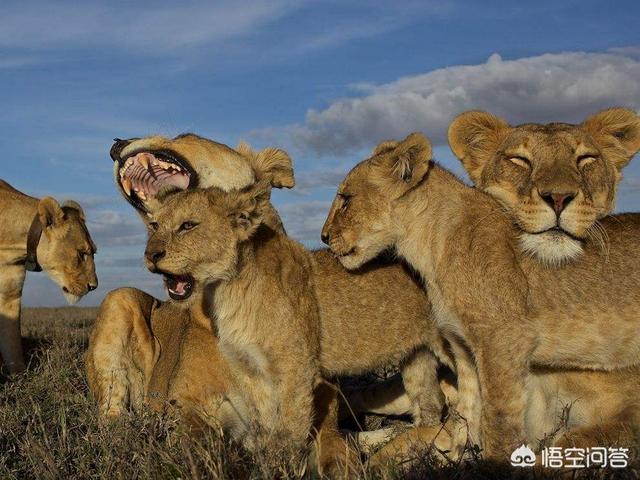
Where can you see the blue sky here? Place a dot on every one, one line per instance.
(323, 79)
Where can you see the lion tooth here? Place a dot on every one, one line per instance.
(142, 195)
(126, 186)
(144, 161)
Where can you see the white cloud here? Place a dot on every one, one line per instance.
(152, 27)
(551, 87)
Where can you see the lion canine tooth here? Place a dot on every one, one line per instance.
(126, 186)
(142, 195)
(144, 161)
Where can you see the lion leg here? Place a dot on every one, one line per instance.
(420, 379)
(439, 439)
(121, 351)
(369, 441)
(11, 282)
(332, 455)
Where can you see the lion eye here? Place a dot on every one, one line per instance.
(520, 161)
(584, 160)
(83, 256)
(186, 226)
(153, 226)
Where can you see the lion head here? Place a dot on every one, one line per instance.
(360, 223)
(195, 235)
(65, 250)
(556, 180)
(143, 167)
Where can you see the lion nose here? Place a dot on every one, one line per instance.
(154, 256)
(91, 287)
(324, 236)
(117, 147)
(557, 201)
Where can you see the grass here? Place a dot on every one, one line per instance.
(49, 428)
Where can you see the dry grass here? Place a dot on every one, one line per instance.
(49, 428)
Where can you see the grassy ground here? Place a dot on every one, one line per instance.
(49, 428)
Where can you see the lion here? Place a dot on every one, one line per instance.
(137, 339)
(557, 180)
(39, 235)
(260, 287)
(463, 243)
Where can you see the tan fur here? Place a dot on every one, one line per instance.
(266, 316)
(508, 309)
(521, 165)
(64, 236)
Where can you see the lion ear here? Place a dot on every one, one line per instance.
(408, 162)
(50, 213)
(474, 137)
(616, 129)
(271, 164)
(249, 208)
(74, 206)
(384, 147)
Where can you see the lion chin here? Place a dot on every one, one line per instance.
(71, 298)
(551, 248)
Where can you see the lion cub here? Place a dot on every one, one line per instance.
(260, 289)
(488, 297)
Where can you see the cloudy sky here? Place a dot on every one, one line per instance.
(323, 79)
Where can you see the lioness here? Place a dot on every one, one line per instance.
(556, 180)
(39, 235)
(463, 243)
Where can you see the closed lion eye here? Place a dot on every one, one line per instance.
(584, 160)
(346, 200)
(520, 161)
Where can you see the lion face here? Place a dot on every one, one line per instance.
(195, 235)
(360, 224)
(144, 167)
(66, 249)
(556, 180)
